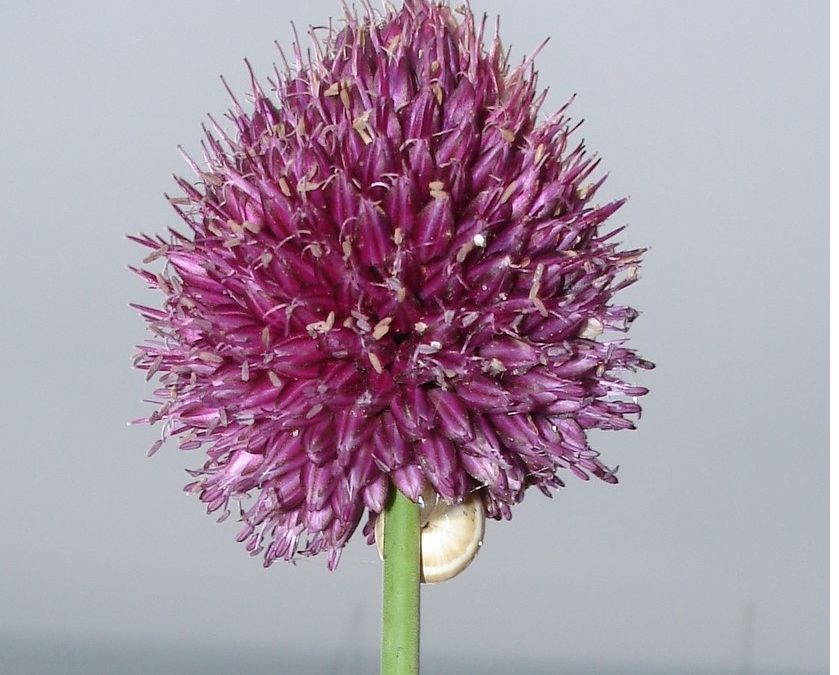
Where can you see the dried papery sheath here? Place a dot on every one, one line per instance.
(395, 273)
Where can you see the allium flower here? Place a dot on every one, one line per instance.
(395, 274)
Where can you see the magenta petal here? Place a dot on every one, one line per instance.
(409, 481)
(319, 442)
(438, 460)
(453, 417)
(391, 449)
(375, 494)
(423, 118)
(320, 482)
(435, 228)
(483, 469)
(484, 394)
(374, 235)
(318, 520)
(351, 426)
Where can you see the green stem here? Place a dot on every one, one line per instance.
(401, 587)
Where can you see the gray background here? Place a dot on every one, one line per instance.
(710, 557)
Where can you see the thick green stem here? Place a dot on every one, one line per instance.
(401, 587)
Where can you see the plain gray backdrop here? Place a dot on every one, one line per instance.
(712, 553)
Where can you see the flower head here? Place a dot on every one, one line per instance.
(394, 274)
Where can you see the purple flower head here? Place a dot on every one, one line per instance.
(395, 274)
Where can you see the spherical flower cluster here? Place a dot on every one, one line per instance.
(394, 275)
